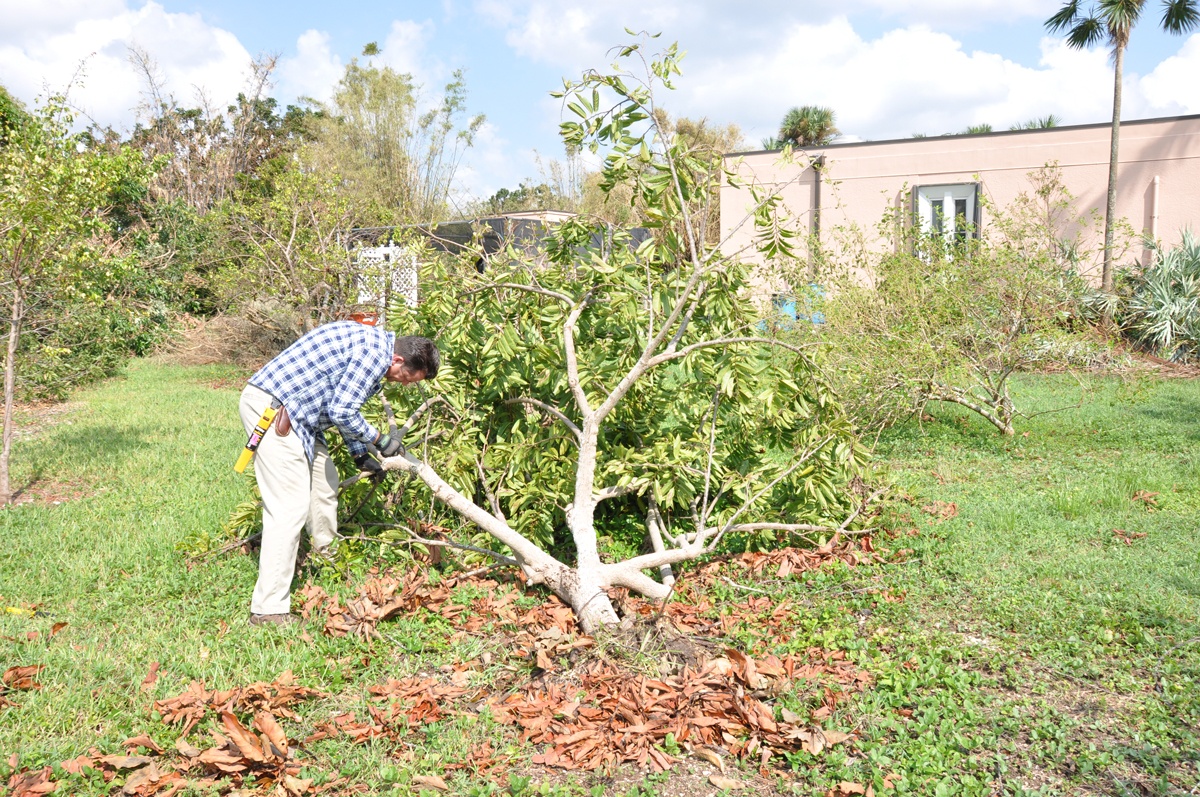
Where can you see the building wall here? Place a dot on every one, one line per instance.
(861, 181)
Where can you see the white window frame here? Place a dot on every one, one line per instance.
(944, 197)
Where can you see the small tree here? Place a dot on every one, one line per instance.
(287, 267)
(387, 153)
(952, 321)
(603, 371)
(1111, 22)
(53, 199)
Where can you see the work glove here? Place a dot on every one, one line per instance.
(368, 463)
(390, 446)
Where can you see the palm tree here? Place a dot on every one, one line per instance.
(1111, 21)
(808, 126)
(1039, 124)
(974, 129)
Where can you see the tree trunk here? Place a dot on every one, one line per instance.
(583, 588)
(10, 386)
(1106, 275)
(587, 594)
(654, 525)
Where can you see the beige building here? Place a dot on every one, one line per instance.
(940, 180)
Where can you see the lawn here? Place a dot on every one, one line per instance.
(1030, 624)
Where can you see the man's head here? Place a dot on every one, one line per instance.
(413, 359)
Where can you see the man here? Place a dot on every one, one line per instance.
(321, 381)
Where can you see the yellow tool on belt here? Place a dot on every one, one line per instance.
(264, 423)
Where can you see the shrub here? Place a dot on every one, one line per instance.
(1159, 305)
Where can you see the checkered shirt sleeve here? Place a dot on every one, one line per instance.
(326, 376)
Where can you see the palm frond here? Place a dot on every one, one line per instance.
(1180, 16)
(1087, 32)
(1065, 18)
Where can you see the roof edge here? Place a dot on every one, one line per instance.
(967, 135)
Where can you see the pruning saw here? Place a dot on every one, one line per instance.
(260, 429)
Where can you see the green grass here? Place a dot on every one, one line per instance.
(1029, 596)
(1031, 651)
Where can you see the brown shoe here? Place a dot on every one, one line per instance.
(274, 619)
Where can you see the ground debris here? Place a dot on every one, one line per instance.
(276, 697)
(266, 759)
(587, 709)
(17, 679)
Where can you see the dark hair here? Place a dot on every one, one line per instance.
(420, 354)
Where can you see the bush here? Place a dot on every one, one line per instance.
(952, 321)
(1158, 307)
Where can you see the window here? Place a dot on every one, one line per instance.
(950, 212)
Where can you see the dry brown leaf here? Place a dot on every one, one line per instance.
(847, 787)
(710, 757)
(54, 629)
(22, 677)
(433, 781)
(146, 776)
(247, 745)
(265, 722)
(834, 737)
(186, 749)
(125, 761)
(724, 783)
(943, 510)
(141, 741)
(292, 787)
(151, 677)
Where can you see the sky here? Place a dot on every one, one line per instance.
(888, 68)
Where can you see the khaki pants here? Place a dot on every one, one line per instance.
(295, 494)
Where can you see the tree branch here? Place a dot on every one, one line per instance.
(562, 297)
(576, 386)
(618, 491)
(686, 350)
(550, 410)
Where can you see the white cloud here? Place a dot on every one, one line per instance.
(491, 164)
(1172, 85)
(907, 80)
(49, 17)
(937, 12)
(576, 34)
(913, 80)
(313, 71)
(44, 50)
(404, 47)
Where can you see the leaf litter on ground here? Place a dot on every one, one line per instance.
(584, 707)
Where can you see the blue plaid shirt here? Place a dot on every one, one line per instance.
(324, 378)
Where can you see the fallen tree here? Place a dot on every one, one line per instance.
(603, 370)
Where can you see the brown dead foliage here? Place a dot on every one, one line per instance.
(589, 710)
(276, 697)
(17, 679)
(616, 716)
(941, 510)
(261, 750)
(784, 562)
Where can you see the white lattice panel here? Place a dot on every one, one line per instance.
(386, 274)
